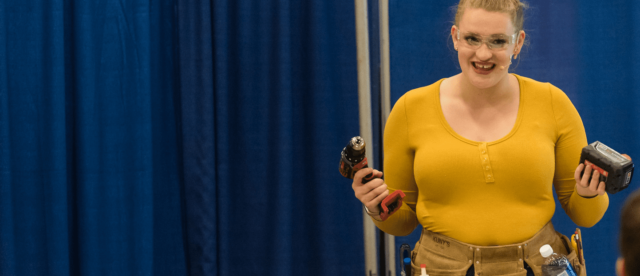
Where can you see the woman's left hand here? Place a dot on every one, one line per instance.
(586, 188)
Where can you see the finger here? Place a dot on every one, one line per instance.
(373, 184)
(601, 188)
(373, 204)
(578, 172)
(378, 173)
(364, 189)
(595, 181)
(357, 184)
(360, 174)
(584, 182)
(373, 175)
(372, 195)
(626, 156)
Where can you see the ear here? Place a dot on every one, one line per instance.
(454, 36)
(519, 42)
(620, 267)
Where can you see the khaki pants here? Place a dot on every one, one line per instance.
(446, 256)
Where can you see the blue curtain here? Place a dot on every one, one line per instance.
(177, 138)
(586, 48)
(268, 100)
(184, 137)
(88, 167)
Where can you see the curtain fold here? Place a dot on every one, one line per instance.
(196, 101)
(278, 94)
(88, 173)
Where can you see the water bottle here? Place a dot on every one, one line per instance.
(555, 264)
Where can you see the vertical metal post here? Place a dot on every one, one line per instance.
(364, 99)
(385, 102)
(385, 64)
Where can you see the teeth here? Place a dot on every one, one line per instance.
(483, 66)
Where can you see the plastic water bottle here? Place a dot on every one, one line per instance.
(423, 269)
(555, 264)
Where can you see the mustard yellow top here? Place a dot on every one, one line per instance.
(486, 193)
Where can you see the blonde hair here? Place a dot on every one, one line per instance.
(514, 8)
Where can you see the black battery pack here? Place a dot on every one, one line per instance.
(615, 170)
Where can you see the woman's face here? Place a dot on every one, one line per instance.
(485, 42)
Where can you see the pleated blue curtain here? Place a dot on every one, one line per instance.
(88, 167)
(268, 100)
(177, 138)
(23, 167)
(586, 48)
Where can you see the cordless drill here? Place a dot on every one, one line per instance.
(353, 159)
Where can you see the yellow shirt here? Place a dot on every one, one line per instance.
(486, 193)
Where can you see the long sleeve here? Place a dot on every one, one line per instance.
(398, 171)
(585, 212)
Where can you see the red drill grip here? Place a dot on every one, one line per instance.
(394, 200)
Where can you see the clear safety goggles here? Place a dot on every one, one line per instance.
(494, 42)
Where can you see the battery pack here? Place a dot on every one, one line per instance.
(615, 170)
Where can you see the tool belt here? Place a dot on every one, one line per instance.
(443, 255)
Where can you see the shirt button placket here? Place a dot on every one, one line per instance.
(486, 163)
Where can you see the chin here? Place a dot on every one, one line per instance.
(485, 81)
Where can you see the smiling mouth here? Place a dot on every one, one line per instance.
(487, 67)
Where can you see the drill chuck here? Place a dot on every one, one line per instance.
(353, 157)
(357, 144)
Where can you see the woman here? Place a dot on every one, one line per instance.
(477, 155)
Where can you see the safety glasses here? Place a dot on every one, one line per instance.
(494, 42)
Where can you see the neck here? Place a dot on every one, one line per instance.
(474, 96)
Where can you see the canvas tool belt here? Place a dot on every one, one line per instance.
(446, 256)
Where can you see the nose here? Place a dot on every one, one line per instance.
(484, 53)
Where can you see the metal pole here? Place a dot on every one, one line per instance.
(385, 67)
(385, 101)
(364, 99)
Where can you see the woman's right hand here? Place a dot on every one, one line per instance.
(371, 193)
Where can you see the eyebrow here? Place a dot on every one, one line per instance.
(493, 35)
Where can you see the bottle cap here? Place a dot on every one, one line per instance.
(546, 250)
